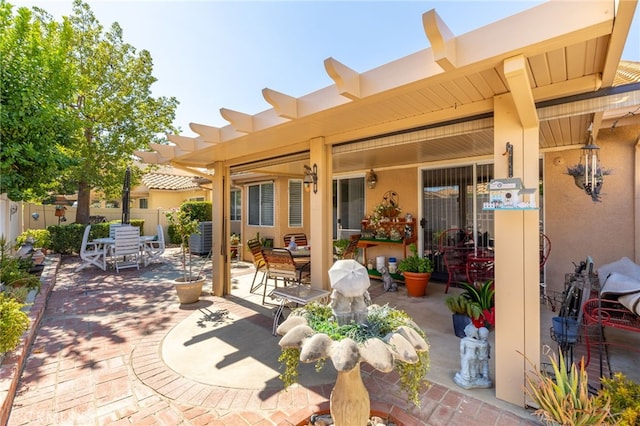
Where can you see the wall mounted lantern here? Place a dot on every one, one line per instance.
(371, 179)
(35, 215)
(311, 177)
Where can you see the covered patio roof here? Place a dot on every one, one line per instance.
(438, 102)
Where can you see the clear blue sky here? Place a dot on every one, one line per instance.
(215, 54)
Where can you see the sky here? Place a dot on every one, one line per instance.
(221, 54)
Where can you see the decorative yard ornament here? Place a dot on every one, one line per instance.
(349, 332)
(588, 174)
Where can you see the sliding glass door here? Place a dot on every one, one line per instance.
(348, 206)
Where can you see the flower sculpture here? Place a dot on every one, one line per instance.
(350, 332)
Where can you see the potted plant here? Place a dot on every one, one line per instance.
(462, 311)
(482, 295)
(188, 286)
(416, 271)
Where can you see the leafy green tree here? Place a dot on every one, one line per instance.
(36, 81)
(76, 103)
(117, 113)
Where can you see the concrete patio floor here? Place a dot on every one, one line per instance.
(105, 353)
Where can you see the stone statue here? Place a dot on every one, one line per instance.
(474, 359)
(388, 283)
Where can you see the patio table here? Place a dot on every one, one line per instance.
(300, 294)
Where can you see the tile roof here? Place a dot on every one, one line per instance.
(628, 72)
(169, 181)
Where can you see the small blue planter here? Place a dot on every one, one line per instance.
(460, 321)
(565, 329)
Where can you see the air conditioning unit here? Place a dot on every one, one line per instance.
(201, 243)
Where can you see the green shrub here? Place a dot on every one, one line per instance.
(42, 238)
(13, 323)
(66, 239)
(198, 210)
(624, 395)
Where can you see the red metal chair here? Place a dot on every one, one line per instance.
(455, 244)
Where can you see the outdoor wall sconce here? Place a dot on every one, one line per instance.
(35, 216)
(311, 177)
(588, 174)
(372, 179)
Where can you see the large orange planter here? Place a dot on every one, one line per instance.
(416, 283)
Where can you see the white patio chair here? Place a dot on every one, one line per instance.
(153, 250)
(126, 248)
(113, 227)
(92, 253)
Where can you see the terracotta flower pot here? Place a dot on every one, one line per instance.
(416, 283)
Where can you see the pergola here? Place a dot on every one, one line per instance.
(536, 79)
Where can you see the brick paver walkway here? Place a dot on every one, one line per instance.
(95, 360)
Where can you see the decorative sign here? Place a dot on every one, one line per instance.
(509, 194)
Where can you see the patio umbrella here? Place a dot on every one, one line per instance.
(349, 277)
(126, 192)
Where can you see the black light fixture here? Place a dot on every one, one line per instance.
(35, 216)
(372, 179)
(311, 177)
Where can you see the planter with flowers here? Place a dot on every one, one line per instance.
(188, 285)
(476, 302)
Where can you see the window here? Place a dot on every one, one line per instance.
(196, 198)
(261, 202)
(236, 205)
(144, 203)
(295, 203)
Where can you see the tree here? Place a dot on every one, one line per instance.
(76, 103)
(36, 81)
(117, 113)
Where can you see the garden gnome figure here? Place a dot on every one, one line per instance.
(474, 359)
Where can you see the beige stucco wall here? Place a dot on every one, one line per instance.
(160, 199)
(576, 225)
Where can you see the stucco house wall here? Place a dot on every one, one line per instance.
(579, 227)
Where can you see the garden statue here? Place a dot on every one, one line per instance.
(388, 283)
(397, 340)
(474, 359)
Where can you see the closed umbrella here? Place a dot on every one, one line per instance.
(126, 193)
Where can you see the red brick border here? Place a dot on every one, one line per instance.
(13, 362)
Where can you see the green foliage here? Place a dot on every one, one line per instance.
(482, 295)
(41, 237)
(75, 95)
(66, 239)
(290, 359)
(14, 271)
(36, 85)
(624, 395)
(182, 224)
(415, 263)
(563, 396)
(381, 320)
(459, 304)
(13, 323)
(200, 211)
